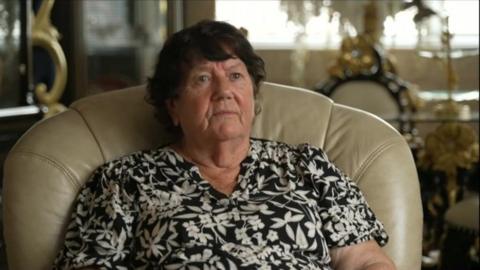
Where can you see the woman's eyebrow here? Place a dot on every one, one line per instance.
(234, 65)
(200, 68)
(207, 65)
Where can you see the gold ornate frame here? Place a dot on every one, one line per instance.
(46, 36)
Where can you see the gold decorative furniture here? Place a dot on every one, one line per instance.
(450, 147)
(364, 76)
(46, 36)
(49, 164)
(446, 163)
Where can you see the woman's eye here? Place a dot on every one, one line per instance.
(203, 78)
(235, 76)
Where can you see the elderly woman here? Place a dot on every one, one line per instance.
(215, 198)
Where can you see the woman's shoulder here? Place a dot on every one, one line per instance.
(134, 161)
(129, 172)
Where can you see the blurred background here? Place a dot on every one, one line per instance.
(413, 63)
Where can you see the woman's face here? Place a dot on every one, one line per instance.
(215, 103)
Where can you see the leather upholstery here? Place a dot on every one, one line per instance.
(48, 165)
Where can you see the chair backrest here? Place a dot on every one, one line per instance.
(368, 96)
(48, 165)
(383, 96)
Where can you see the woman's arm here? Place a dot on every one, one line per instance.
(364, 256)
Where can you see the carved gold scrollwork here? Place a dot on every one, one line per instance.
(356, 57)
(46, 36)
(450, 147)
(357, 54)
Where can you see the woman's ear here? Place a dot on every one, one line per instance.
(172, 111)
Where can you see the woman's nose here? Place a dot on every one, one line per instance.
(223, 88)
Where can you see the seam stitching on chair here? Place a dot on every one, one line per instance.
(91, 132)
(372, 156)
(49, 160)
(330, 113)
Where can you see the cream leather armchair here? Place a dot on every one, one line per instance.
(48, 165)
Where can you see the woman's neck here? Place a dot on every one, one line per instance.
(216, 155)
(218, 163)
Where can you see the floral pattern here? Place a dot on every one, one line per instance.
(153, 210)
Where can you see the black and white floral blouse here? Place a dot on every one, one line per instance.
(153, 210)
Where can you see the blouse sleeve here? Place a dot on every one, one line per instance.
(346, 217)
(100, 230)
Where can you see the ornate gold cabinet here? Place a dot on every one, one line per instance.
(448, 166)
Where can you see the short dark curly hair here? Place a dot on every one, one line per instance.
(206, 40)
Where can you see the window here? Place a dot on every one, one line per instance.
(269, 27)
